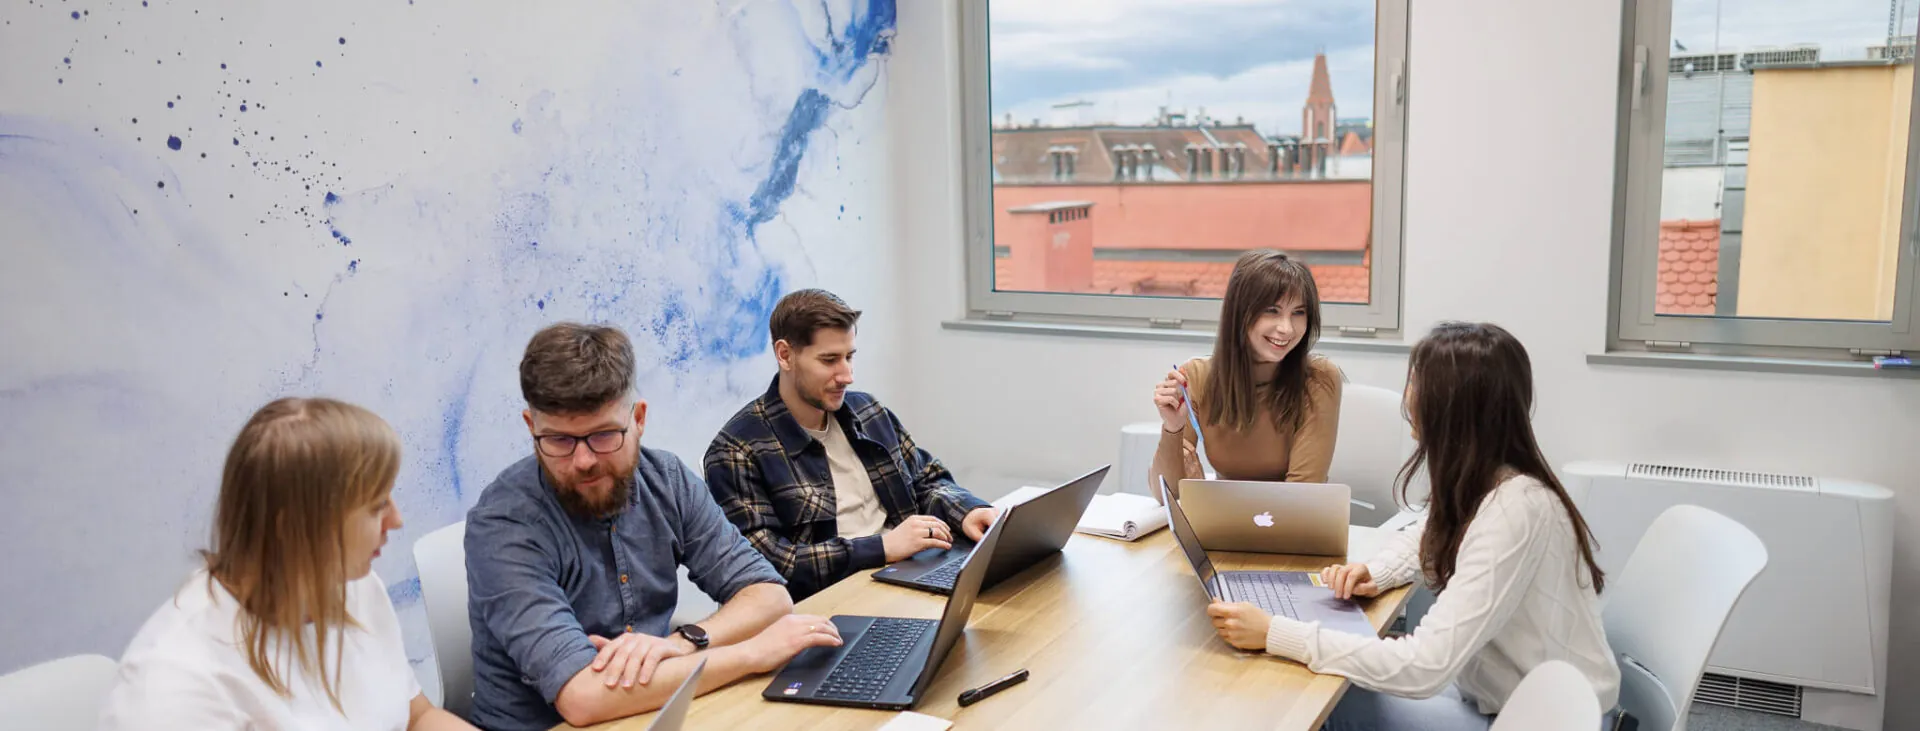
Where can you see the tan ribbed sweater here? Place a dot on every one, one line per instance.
(1265, 452)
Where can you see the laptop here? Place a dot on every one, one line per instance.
(1038, 529)
(1291, 594)
(673, 715)
(1297, 518)
(884, 662)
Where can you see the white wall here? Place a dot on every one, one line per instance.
(1691, 194)
(1502, 238)
(489, 167)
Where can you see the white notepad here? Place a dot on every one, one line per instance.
(1120, 516)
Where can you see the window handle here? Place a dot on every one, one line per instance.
(1639, 75)
(1400, 85)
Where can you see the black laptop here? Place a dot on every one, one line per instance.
(1291, 594)
(885, 662)
(1040, 528)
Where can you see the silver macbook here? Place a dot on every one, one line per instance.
(1291, 594)
(1298, 518)
(673, 715)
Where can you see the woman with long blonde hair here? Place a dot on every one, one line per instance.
(286, 626)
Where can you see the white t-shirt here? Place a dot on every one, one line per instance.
(185, 670)
(857, 509)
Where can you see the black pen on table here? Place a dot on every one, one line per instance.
(968, 698)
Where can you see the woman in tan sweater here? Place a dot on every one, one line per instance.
(1268, 407)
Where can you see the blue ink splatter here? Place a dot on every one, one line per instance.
(76, 15)
(236, 142)
(540, 304)
(68, 61)
(331, 198)
(223, 66)
(353, 267)
(316, 64)
(169, 105)
(516, 126)
(534, 244)
(243, 107)
(317, 316)
(343, 41)
(344, 241)
(173, 142)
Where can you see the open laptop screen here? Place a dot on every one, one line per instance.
(1190, 544)
(953, 621)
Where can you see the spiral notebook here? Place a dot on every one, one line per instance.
(1120, 516)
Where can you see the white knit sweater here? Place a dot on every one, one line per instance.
(1519, 596)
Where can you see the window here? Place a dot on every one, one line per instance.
(1766, 205)
(1148, 233)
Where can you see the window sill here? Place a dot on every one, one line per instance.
(1390, 345)
(1749, 364)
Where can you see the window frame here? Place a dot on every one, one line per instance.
(1646, 46)
(1381, 314)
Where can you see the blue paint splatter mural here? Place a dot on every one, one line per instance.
(388, 222)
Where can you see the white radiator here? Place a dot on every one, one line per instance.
(1809, 638)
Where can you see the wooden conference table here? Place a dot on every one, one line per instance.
(1114, 635)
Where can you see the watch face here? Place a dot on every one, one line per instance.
(694, 634)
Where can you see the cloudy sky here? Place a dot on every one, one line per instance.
(1254, 58)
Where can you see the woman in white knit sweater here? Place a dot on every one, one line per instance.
(1503, 547)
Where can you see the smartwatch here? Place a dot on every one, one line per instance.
(694, 634)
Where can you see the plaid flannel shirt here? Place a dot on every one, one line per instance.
(772, 480)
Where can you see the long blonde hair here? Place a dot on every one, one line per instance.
(299, 466)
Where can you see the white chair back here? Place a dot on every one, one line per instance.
(1665, 609)
(1554, 697)
(58, 695)
(1373, 443)
(441, 557)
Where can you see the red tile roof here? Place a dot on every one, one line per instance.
(1337, 282)
(1689, 282)
(1315, 215)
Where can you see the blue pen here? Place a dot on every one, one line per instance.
(1199, 439)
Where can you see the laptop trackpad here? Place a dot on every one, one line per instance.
(1339, 615)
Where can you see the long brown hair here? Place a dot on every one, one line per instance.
(1260, 278)
(297, 469)
(1472, 388)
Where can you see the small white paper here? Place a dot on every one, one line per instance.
(910, 721)
(1025, 493)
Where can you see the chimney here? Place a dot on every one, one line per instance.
(1051, 247)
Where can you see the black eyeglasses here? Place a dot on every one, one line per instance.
(563, 445)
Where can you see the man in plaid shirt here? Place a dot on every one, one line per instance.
(825, 481)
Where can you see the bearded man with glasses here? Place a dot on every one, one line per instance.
(573, 552)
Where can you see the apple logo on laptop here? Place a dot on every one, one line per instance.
(1264, 520)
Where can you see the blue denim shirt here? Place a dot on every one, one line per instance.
(540, 580)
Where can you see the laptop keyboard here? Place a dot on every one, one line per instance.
(874, 659)
(1271, 592)
(946, 574)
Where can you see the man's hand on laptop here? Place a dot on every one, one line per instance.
(978, 521)
(783, 639)
(632, 657)
(915, 534)
(1350, 580)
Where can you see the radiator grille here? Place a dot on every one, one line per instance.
(1749, 695)
(1719, 477)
